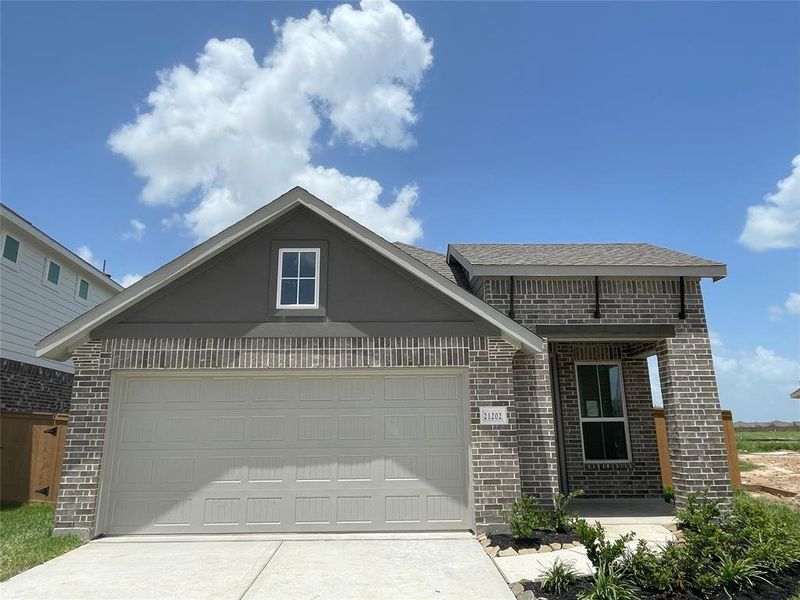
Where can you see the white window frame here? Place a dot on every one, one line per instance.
(623, 418)
(78, 289)
(45, 280)
(6, 261)
(315, 305)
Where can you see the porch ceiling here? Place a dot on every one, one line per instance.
(605, 333)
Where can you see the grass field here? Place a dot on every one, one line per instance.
(767, 441)
(25, 537)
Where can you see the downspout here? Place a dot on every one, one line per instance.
(511, 297)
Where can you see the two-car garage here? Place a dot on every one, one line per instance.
(283, 451)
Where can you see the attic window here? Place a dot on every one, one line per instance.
(298, 278)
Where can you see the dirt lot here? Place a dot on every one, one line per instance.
(776, 469)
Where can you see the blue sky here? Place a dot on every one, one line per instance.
(521, 122)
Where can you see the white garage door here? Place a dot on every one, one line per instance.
(279, 451)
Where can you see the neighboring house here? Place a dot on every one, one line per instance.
(297, 372)
(42, 286)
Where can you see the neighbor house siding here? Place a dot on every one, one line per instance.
(488, 361)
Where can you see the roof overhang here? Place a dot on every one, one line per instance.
(62, 342)
(8, 215)
(476, 271)
(605, 333)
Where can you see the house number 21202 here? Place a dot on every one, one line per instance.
(494, 415)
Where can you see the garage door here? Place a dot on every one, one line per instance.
(277, 451)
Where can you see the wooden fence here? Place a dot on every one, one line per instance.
(31, 451)
(663, 448)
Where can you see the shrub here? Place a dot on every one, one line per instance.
(647, 569)
(668, 494)
(525, 517)
(607, 584)
(558, 578)
(734, 574)
(563, 521)
(600, 551)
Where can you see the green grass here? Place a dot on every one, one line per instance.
(746, 465)
(25, 539)
(767, 441)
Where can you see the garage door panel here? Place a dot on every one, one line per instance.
(317, 452)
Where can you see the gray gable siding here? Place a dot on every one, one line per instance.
(233, 294)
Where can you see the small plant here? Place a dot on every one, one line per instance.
(735, 574)
(600, 551)
(525, 517)
(669, 495)
(607, 584)
(647, 569)
(558, 578)
(563, 521)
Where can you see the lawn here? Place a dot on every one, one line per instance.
(767, 441)
(25, 537)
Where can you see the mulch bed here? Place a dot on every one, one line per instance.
(503, 540)
(781, 586)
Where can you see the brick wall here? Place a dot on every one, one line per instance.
(495, 464)
(642, 475)
(688, 381)
(30, 388)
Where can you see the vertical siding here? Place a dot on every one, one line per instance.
(31, 309)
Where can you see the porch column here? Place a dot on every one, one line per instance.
(538, 466)
(692, 412)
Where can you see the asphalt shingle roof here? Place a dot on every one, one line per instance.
(646, 255)
(437, 262)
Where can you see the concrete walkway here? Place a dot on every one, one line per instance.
(298, 567)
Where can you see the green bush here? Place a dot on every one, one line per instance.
(563, 521)
(598, 549)
(668, 494)
(607, 584)
(525, 517)
(558, 578)
(647, 569)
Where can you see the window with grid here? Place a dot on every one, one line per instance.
(298, 278)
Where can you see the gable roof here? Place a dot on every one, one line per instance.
(60, 343)
(581, 259)
(437, 262)
(8, 214)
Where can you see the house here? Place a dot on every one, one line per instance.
(297, 372)
(43, 285)
(795, 394)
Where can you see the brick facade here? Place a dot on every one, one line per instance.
(30, 388)
(641, 476)
(688, 382)
(489, 362)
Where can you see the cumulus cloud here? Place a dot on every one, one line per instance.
(86, 254)
(755, 384)
(129, 279)
(790, 307)
(775, 223)
(231, 133)
(136, 232)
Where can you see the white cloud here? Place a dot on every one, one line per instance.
(86, 254)
(755, 384)
(231, 134)
(129, 279)
(790, 307)
(775, 223)
(136, 232)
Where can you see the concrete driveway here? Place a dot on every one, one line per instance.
(248, 567)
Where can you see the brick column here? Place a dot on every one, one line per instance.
(692, 412)
(83, 450)
(495, 455)
(538, 467)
